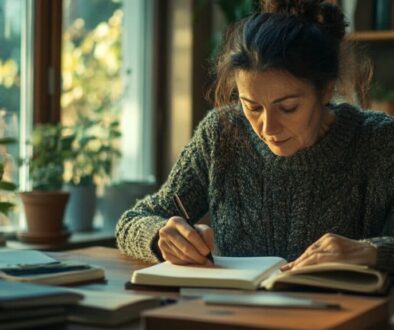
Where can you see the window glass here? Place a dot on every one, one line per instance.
(15, 40)
(100, 59)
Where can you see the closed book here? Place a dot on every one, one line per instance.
(252, 273)
(44, 322)
(14, 295)
(37, 267)
(109, 308)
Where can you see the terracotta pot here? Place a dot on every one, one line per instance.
(44, 211)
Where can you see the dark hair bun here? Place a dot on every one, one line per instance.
(319, 12)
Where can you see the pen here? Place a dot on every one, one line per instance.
(181, 208)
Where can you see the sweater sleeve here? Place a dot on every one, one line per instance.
(385, 244)
(137, 229)
(382, 151)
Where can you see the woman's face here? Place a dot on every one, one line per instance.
(287, 113)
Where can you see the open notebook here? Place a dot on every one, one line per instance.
(252, 273)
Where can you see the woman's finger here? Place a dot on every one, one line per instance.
(206, 233)
(172, 254)
(326, 243)
(174, 259)
(186, 250)
(183, 249)
(316, 258)
(191, 235)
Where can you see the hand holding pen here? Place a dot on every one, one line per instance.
(182, 243)
(187, 218)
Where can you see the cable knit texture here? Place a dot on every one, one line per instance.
(261, 204)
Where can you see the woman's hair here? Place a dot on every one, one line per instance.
(302, 37)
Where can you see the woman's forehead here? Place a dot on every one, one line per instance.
(273, 83)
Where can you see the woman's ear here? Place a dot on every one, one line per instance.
(328, 92)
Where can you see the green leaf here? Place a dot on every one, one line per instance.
(116, 134)
(115, 124)
(5, 185)
(86, 139)
(5, 207)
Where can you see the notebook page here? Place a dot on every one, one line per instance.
(246, 268)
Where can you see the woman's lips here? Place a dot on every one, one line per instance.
(279, 143)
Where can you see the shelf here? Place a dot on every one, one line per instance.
(372, 36)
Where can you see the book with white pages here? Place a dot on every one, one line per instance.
(37, 267)
(253, 273)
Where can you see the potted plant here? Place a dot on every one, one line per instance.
(94, 150)
(44, 206)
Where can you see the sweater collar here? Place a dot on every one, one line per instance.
(331, 150)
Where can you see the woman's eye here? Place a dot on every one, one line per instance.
(289, 110)
(255, 109)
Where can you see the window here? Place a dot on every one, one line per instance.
(106, 69)
(15, 91)
(106, 53)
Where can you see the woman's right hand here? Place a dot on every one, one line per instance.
(179, 243)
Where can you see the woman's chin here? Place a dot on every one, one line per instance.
(282, 152)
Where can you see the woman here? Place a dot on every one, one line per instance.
(281, 170)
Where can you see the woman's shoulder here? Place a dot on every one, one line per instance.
(216, 119)
(375, 136)
(379, 129)
(373, 125)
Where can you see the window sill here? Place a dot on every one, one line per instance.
(97, 237)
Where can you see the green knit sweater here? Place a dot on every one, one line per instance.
(261, 204)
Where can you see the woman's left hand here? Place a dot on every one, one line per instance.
(335, 248)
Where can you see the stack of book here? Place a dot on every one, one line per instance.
(26, 305)
(29, 299)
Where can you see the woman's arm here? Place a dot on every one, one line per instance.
(137, 229)
(377, 252)
(385, 244)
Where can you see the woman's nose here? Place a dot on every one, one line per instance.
(270, 124)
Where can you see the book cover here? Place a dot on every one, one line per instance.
(14, 295)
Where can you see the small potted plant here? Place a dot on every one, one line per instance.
(44, 206)
(94, 150)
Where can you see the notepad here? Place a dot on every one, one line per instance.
(252, 273)
(37, 267)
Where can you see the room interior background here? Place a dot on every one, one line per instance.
(138, 67)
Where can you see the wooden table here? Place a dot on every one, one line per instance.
(119, 269)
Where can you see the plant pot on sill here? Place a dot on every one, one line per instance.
(44, 217)
(81, 207)
(119, 198)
